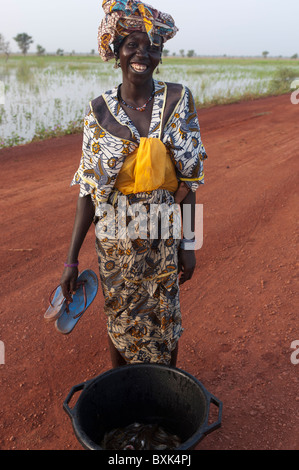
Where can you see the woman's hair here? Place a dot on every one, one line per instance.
(116, 47)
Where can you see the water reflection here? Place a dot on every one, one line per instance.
(45, 97)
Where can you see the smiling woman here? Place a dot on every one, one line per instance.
(137, 53)
(141, 142)
(138, 61)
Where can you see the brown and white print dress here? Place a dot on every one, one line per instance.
(139, 274)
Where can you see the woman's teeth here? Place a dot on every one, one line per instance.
(139, 67)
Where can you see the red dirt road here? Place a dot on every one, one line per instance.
(240, 310)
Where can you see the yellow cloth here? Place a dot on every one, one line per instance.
(146, 169)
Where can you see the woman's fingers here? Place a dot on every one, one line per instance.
(185, 276)
(181, 193)
(65, 287)
(68, 283)
(179, 265)
(73, 285)
(186, 263)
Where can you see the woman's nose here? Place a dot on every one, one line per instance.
(142, 51)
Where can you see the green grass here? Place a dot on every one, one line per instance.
(77, 60)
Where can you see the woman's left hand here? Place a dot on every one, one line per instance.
(181, 192)
(186, 265)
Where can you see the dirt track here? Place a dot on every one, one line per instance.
(240, 311)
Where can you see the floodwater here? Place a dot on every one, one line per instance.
(37, 100)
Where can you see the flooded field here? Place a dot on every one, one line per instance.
(45, 96)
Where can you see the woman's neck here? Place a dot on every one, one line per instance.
(135, 93)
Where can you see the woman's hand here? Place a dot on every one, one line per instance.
(186, 265)
(186, 258)
(181, 192)
(68, 282)
(83, 220)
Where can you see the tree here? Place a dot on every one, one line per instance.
(182, 52)
(40, 50)
(165, 52)
(191, 53)
(295, 56)
(4, 47)
(24, 41)
(59, 52)
(265, 54)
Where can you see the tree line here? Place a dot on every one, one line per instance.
(24, 42)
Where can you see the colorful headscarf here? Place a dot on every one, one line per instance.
(123, 17)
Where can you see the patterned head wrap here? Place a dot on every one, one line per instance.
(123, 17)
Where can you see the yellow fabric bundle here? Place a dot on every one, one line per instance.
(146, 169)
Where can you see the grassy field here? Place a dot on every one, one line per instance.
(47, 96)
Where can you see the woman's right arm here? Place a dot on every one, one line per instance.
(83, 220)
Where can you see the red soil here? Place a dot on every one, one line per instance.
(239, 309)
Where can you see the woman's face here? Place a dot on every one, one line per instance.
(138, 58)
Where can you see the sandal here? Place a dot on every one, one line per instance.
(56, 306)
(87, 287)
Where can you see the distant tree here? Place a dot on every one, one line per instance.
(182, 52)
(191, 53)
(59, 52)
(4, 47)
(265, 54)
(92, 52)
(24, 41)
(295, 56)
(165, 52)
(40, 50)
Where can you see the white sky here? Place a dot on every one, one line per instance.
(210, 27)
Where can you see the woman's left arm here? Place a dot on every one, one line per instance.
(187, 260)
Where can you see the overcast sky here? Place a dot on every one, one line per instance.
(213, 27)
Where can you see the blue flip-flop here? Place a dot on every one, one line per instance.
(57, 304)
(87, 287)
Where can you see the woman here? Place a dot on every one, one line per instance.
(141, 147)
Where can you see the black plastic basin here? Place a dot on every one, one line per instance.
(143, 393)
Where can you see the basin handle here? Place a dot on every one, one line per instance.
(211, 427)
(75, 389)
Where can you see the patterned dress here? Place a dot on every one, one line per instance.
(139, 275)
